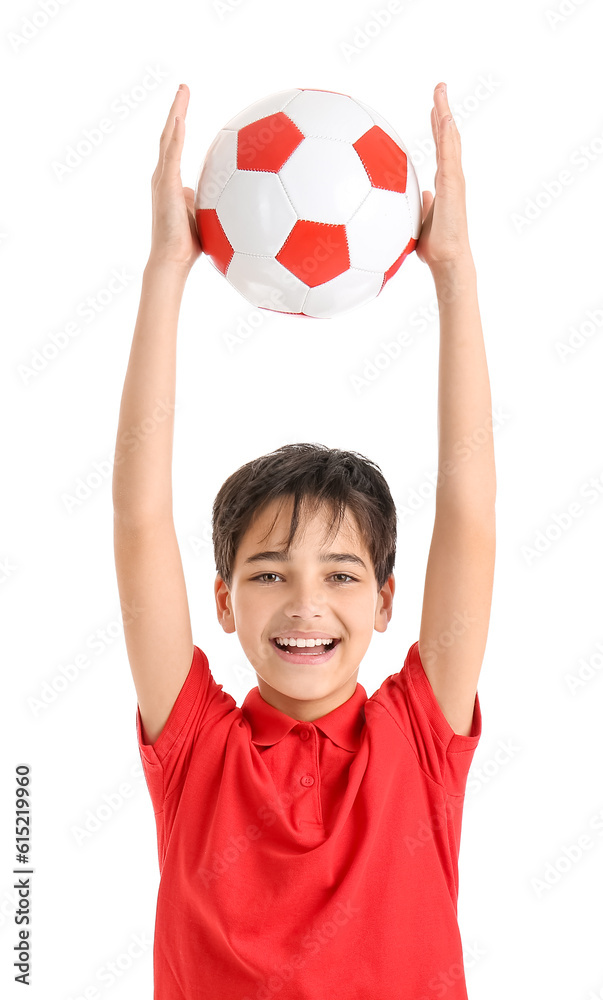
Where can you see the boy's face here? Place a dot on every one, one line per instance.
(274, 596)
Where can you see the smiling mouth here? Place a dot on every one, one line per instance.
(305, 650)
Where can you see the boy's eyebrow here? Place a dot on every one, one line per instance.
(281, 555)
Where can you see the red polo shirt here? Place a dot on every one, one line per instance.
(305, 860)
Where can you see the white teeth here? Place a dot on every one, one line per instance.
(303, 642)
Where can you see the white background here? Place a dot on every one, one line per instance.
(526, 93)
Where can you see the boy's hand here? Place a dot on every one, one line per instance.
(174, 236)
(444, 239)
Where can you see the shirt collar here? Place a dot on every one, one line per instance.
(343, 725)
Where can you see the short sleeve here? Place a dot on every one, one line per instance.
(201, 703)
(443, 754)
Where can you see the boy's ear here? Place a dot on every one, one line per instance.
(223, 605)
(383, 611)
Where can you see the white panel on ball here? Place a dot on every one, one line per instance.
(266, 283)
(415, 202)
(352, 287)
(379, 230)
(317, 113)
(222, 163)
(255, 213)
(325, 180)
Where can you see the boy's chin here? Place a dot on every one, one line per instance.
(300, 688)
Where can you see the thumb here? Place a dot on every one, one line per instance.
(427, 203)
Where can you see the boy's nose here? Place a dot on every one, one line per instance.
(305, 603)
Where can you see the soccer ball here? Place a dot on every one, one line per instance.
(308, 203)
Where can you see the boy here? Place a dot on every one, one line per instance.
(308, 841)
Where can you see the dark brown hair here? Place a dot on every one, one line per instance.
(315, 476)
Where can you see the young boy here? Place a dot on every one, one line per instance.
(308, 841)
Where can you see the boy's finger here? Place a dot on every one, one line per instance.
(427, 203)
(435, 130)
(440, 98)
(445, 126)
(442, 108)
(173, 150)
(179, 106)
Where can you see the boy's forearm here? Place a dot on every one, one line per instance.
(467, 480)
(142, 475)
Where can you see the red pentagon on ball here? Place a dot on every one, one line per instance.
(315, 252)
(267, 143)
(398, 263)
(214, 240)
(383, 160)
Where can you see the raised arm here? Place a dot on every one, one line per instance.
(460, 568)
(150, 578)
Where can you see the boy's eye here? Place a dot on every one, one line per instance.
(262, 575)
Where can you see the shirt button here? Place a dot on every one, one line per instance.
(307, 779)
(304, 734)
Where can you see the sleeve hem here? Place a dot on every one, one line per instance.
(454, 742)
(155, 753)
